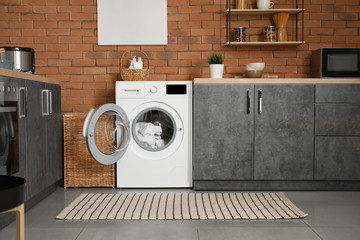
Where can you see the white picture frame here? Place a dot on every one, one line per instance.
(132, 22)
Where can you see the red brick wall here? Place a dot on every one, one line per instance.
(63, 34)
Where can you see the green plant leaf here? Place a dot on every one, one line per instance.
(215, 58)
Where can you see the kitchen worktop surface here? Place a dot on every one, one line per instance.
(279, 80)
(27, 76)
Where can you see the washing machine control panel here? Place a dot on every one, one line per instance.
(152, 89)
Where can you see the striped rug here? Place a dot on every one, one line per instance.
(185, 206)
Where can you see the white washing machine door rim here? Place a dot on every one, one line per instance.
(120, 136)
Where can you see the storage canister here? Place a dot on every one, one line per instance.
(21, 58)
(241, 4)
(240, 35)
(270, 34)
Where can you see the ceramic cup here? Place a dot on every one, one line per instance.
(264, 4)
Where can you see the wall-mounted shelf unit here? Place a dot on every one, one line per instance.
(296, 11)
(262, 11)
(289, 43)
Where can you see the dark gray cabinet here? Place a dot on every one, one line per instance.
(54, 145)
(35, 140)
(39, 139)
(337, 132)
(284, 132)
(43, 136)
(253, 132)
(337, 158)
(223, 132)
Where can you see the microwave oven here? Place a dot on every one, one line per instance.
(335, 63)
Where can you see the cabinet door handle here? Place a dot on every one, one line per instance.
(248, 101)
(22, 102)
(50, 102)
(260, 101)
(45, 102)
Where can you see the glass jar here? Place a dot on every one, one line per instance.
(282, 33)
(241, 4)
(270, 34)
(240, 34)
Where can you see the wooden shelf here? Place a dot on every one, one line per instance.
(295, 43)
(263, 11)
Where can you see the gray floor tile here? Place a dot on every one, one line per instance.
(43, 234)
(256, 233)
(135, 232)
(333, 216)
(338, 233)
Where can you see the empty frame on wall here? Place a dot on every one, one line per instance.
(132, 22)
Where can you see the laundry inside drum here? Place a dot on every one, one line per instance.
(154, 129)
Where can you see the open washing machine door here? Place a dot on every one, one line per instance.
(107, 132)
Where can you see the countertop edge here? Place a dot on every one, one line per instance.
(27, 76)
(277, 80)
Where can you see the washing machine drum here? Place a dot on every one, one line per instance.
(107, 132)
(6, 136)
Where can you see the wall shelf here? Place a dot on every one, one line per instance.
(262, 11)
(293, 11)
(290, 43)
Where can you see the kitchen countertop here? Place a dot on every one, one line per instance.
(27, 76)
(278, 80)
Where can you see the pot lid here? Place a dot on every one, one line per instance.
(23, 49)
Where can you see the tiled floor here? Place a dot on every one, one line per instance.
(332, 216)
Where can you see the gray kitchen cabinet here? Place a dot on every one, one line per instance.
(337, 93)
(337, 119)
(35, 140)
(240, 137)
(284, 132)
(337, 132)
(39, 140)
(54, 135)
(223, 132)
(43, 136)
(337, 158)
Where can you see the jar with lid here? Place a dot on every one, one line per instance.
(270, 34)
(240, 34)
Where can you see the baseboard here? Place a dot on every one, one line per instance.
(277, 185)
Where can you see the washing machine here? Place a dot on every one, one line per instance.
(147, 133)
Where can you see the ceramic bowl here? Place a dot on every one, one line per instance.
(256, 66)
(253, 74)
(248, 68)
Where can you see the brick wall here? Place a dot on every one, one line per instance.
(63, 34)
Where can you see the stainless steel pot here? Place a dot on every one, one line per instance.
(21, 59)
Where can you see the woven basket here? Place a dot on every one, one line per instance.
(134, 74)
(80, 169)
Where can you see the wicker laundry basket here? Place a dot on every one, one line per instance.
(80, 169)
(134, 74)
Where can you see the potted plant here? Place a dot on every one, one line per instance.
(216, 65)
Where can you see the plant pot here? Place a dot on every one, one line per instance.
(216, 70)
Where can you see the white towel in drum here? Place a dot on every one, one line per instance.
(150, 134)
